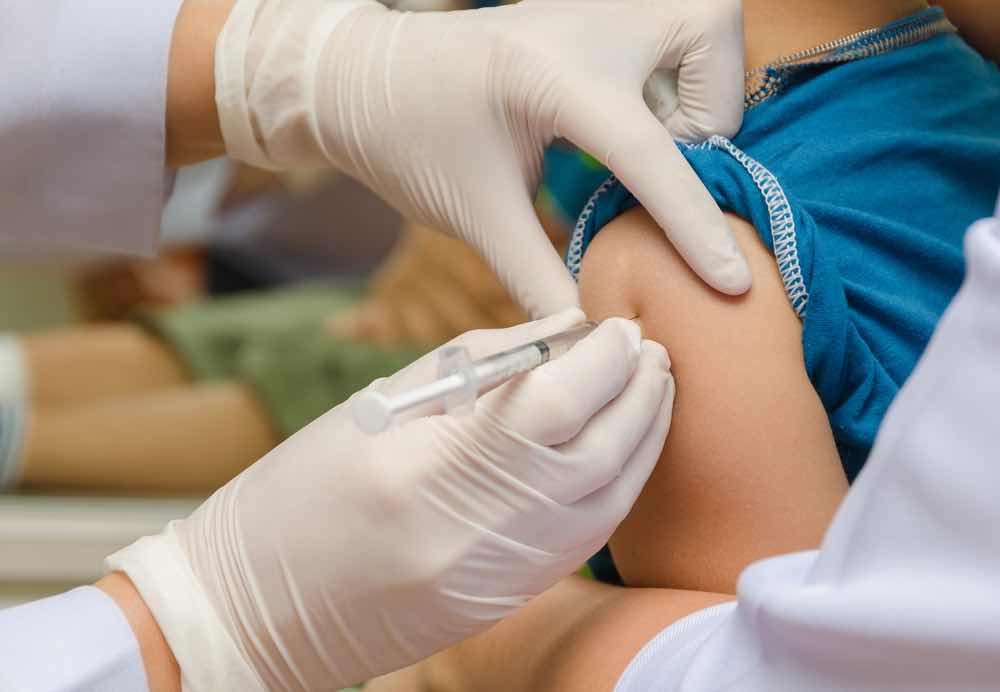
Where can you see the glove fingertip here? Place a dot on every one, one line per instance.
(725, 122)
(707, 241)
(658, 352)
(733, 277)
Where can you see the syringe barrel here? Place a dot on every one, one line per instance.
(500, 367)
(463, 380)
(559, 343)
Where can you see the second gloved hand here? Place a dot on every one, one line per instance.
(341, 556)
(446, 114)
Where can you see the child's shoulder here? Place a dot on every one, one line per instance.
(861, 178)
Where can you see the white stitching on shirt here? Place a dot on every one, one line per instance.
(574, 255)
(783, 231)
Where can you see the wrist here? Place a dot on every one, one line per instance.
(198, 635)
(192, 120)
(162, 671)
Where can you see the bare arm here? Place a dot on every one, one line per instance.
(112, 408)
(580, 636)
(189, 439)
(731, 487)
(90, 363)
(192, 121)
(750, 468)
(162, 672)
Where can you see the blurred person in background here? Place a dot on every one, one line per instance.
(299, 327)
(237, 374)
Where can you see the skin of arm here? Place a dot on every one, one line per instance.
(730, 487)
(85, 381)
(192, 120)
(162, 672)
(577, 637)
(78, 365)
(173, 441)
(733, 485)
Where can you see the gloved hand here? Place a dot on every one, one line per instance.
(340, 556)
(446, 115)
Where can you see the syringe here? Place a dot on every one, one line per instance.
(463, 379)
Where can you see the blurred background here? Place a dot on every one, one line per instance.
(227, 232)
(139, 385)
(132, 388)
(272, 259)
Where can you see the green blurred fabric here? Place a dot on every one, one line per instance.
(275, 342)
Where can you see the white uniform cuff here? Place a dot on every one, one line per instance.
(77, 640)
(663, 662)
(209, 659)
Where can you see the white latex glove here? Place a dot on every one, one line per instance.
(446, 115)
(340, 556)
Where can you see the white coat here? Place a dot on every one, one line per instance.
(82, 134)
(82, 104)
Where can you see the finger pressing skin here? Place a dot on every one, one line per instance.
(640, 151)
(605, 509)
(609, 440)
(551, 404)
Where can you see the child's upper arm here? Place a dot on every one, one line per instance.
(750, 468)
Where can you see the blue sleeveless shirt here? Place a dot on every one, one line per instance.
(862, 179)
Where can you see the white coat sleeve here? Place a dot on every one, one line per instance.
(903, 594)
(82, 121)
(79, 640)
